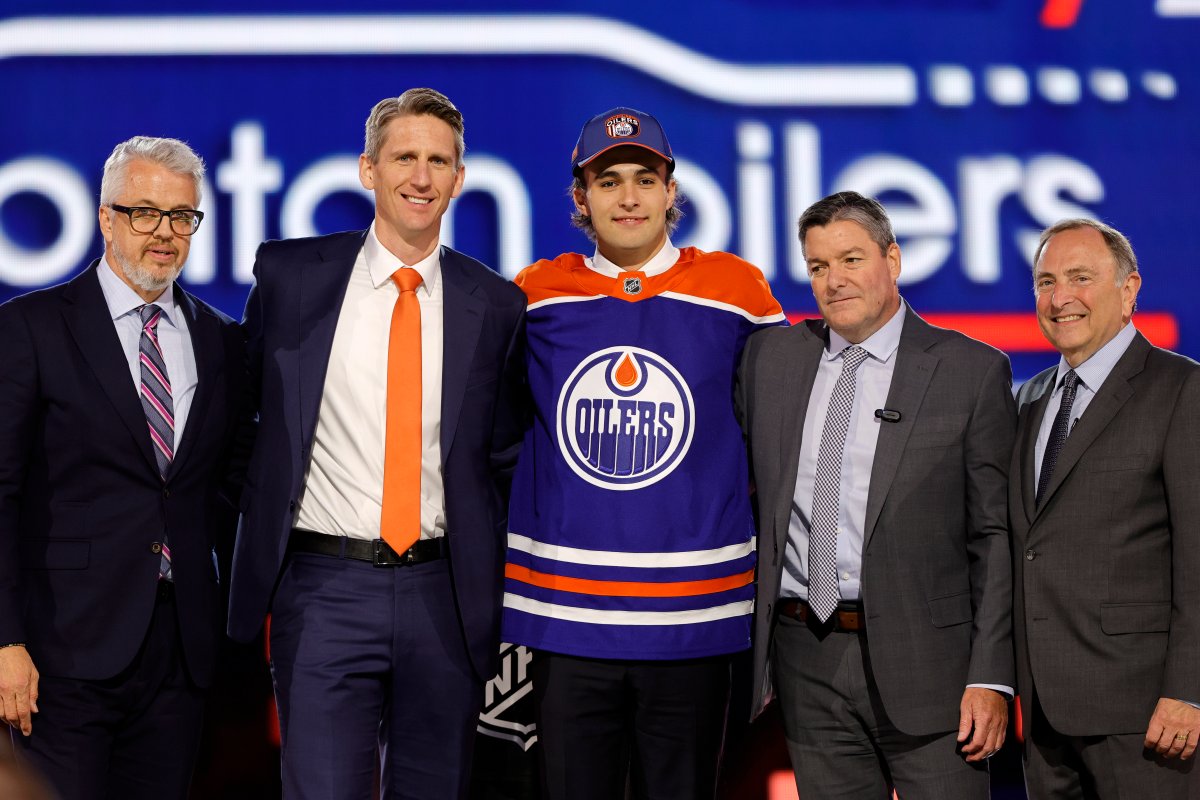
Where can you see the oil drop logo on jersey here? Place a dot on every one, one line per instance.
(625, 418)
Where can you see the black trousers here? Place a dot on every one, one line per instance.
(654, 726)
(132, 736)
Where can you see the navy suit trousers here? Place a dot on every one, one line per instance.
(371, 668)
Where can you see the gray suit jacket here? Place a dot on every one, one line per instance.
(936, 579)
(1107, 569)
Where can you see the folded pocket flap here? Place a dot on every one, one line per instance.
(1116, 618)
(953, 609)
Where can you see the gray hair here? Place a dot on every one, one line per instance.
(1118, 244)
(852, 207)
(171, 154)
(584, 221)
(413, 103)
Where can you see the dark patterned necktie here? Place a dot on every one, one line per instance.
(157, 403)
(1058, 433)
(822, 538)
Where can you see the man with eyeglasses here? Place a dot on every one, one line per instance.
(119, 394)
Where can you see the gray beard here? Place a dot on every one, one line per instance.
(142, 278)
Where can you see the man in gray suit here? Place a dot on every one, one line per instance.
(1105, 511)
(879, 445)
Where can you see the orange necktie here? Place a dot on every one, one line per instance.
(400, 523)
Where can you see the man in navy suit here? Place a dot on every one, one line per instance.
(384, 623)
(119, 395)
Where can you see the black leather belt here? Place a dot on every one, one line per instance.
(848, 617)
(376, 551)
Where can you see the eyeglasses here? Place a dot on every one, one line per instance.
(143, 219)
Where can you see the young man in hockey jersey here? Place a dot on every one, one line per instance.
(631, 553)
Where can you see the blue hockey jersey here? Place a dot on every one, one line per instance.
(630, 534)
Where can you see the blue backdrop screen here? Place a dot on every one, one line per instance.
(976, 122)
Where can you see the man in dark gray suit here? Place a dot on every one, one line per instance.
(879, 445)
(1105, 511)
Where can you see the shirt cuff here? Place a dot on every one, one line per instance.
(1007, 691)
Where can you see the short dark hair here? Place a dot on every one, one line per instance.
(413, 103)
(853, 207)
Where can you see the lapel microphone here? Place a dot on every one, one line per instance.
(887, 415)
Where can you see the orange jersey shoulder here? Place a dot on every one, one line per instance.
(726, 280)
(551, 279)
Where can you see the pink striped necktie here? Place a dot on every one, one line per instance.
(155, 391)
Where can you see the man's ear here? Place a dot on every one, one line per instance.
(105, 218)
(579, 196)
(366, 172)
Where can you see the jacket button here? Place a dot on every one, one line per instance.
(1030, 555)
(156, 548)
(166, 493)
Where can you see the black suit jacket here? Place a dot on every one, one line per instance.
(81, 499)
(291, 318)
(1107, 583)
(936, 579)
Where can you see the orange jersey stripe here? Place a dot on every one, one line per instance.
(627, 588)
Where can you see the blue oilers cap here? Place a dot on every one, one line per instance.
(618, 128)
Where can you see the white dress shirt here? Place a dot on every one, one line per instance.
(659, 263)
(872, 382)
(124, 304)
(343, 487)
(1092, 374)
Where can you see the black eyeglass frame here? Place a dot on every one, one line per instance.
(169, 214)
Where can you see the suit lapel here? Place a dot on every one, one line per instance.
(1034, 412)
(323, 281)
(91, 325)
(1113, 394)
(205, 333)
(462, 316)
(798, 361)
(910, 380)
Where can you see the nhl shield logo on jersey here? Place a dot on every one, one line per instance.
(622, 126)
(625, 418)
(633, 286)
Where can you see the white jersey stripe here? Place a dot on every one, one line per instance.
(572, 298)
(597, 616)
(705, 301)
(610, 558)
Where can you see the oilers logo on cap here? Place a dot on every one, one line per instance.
(622, 126)
(625, 418)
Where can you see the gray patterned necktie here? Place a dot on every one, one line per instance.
(1058, 433)
(157, 403)
(822, 538)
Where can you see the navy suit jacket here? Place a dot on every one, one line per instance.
(291, 317)
(82, 503)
